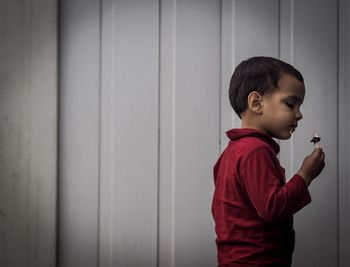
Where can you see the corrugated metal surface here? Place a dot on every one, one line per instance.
(144, 109)
(28, 133)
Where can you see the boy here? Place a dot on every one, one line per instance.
(253, 206)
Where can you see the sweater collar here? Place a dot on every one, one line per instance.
(235, 134)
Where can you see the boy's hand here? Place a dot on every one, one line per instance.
(312, 165)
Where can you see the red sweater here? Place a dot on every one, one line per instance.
(253, 206)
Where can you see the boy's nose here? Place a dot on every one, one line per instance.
(298, 115)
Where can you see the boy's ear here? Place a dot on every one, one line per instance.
(255, 102)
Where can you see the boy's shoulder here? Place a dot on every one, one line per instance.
(239, 152)
(246, 141)
(248, 145)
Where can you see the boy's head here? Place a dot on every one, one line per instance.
(260, 74)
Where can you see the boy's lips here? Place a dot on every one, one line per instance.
(293, 127)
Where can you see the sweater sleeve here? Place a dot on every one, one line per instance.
(263, 180)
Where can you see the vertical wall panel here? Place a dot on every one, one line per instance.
(189, 130)
(343, 133)
(315, 55)
(28, 139)
(249, 28)
(287, 54)
(130, 101)
(228, 117)
(196, 132)
(106, 136)
(256, 28)
(79, 133)
(167, 148)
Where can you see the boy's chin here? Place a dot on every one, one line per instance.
(284, 135)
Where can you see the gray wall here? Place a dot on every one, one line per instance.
(28, 132)
(143, 114)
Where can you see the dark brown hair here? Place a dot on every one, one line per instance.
(259, 74)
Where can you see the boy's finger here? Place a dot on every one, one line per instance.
(318, 151)
(320, 157)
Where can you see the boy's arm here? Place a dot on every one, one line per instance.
(264, 182)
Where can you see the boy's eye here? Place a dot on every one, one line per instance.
(290, 105)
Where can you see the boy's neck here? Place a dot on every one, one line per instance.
(249, 122)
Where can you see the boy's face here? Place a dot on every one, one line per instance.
(281, 108)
